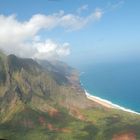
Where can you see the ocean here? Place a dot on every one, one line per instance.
(117, 82)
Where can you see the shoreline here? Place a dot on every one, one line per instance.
(108, 104)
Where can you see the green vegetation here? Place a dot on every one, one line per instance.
(47, 103)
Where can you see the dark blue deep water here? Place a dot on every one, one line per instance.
(118, 83)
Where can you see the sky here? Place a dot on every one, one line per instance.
(76, 31)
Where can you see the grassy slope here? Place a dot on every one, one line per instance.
(34, 125)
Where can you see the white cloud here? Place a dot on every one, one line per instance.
(74, 22)
(23, 38)
(117, 5)
(82, 8)
(113, 6)
(51, 49)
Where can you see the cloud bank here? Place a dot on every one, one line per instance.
(23, 38)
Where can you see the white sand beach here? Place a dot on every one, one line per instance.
(107, 103)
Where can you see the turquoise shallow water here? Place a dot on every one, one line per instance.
(118, 83)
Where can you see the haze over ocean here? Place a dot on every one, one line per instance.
(118, 83)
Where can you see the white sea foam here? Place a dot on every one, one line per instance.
(110, 103)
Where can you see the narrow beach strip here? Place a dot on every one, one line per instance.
(108, 104)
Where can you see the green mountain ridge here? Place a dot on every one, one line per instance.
(43, 100)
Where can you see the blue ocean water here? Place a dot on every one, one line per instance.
(118, 83)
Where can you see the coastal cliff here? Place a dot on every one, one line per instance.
(43, 100)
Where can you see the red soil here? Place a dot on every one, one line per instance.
(125, 136)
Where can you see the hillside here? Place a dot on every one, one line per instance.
(43, 100)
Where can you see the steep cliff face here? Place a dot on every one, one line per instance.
(26, 82)
(44, 100)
